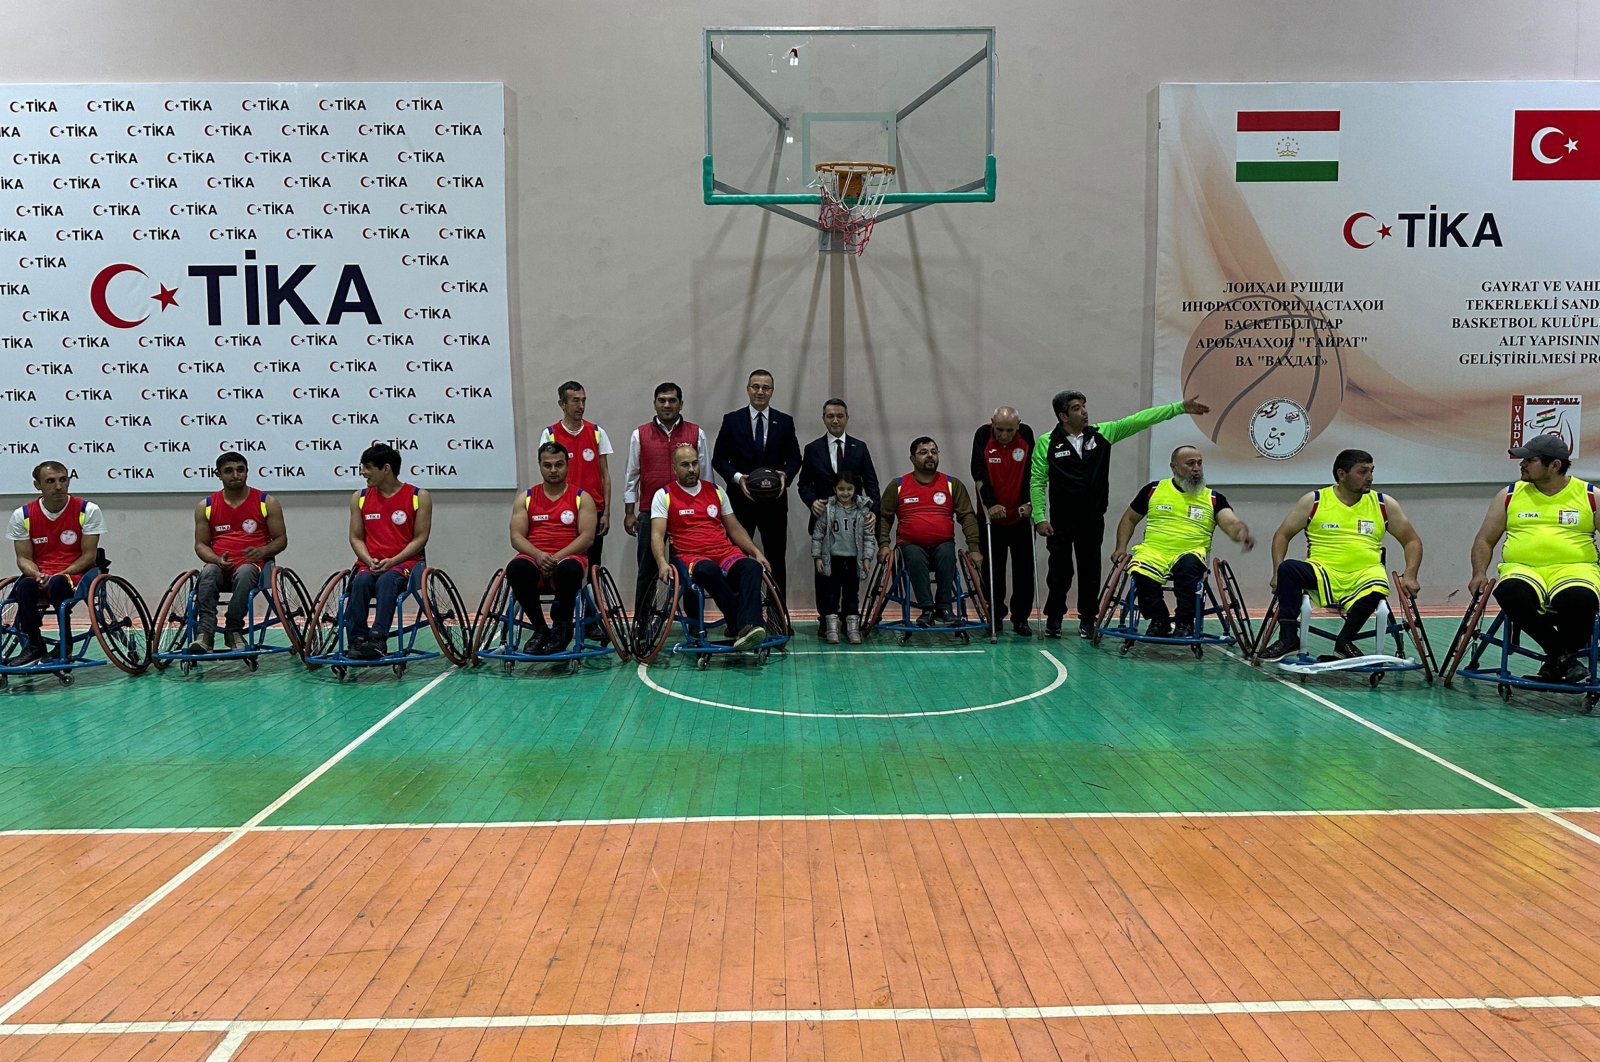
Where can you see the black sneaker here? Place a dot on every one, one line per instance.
(926, 619)
(1159, 628)
(945, 618)
(1052, 628)
(539, 643)
(1183, 629)
(1576, 671)
(1086, 631)
(364, 651)
(33, 652)
(560, 638)
(1286, 645)
(1022, 630)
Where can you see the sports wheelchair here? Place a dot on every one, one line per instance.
(1119, 612)
(279, 599)
(679, 599)
(118, 620)
(430, 600)
(889, 583)
(599, 625)
(1504, 635)
(1374, 665)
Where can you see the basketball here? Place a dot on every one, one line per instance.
(764, 483)
(1259, 350)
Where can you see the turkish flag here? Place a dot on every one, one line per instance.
(1556, 146)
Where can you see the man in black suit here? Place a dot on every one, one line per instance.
(834, 452)
(758, 436)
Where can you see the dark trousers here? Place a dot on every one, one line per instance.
(1186, 576)
(526, 580)
(737, 594)
(768, 521)
(917, 560)
(1010, 546)
(25, 592)
(387, 587)
(596, 547)
(839, 591)
(1564, 629)
(1079, 538)
(644, 582)
(1295, 579)
(208, 587)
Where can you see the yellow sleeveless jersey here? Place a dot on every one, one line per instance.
(1345, 537)
(1544, 530)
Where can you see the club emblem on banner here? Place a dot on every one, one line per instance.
(1279, 429)
(1534, 415)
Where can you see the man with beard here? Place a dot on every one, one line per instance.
(1344, 525)
(1183, 514)
(1549, 578)
(924, 501)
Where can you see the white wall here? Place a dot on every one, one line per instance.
(621, 277)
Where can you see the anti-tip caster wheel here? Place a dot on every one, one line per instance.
(64, 677)
(702, 662)
(252, 663)
(1504, 690)
(1374, 678)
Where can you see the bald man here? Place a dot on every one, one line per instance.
(1001, 453)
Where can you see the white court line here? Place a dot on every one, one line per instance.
(1061, 677)
(100, 939)
(634, 1019)
(228, 1046)
(880, 652)
(1542, 812)
(115, 831)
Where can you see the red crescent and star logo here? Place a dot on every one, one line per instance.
(1380, 232)
(167, 297)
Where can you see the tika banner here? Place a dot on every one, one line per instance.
(1407, 269)
(292, 271)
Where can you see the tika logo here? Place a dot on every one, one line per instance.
(117, 299)
(1535, 415)
(1430, 228)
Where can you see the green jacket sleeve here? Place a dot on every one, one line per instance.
(1134, 423)
(1039, 478)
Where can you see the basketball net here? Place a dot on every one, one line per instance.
(852, 195)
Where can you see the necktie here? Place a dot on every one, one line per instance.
(761, 433)
(838, 454)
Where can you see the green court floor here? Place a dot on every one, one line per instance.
(1155, 732)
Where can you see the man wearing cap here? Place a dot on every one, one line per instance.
(1549, 575)
(1344, 525)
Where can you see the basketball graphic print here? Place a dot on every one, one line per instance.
(1257, 350)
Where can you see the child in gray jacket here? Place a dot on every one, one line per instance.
(840, 545)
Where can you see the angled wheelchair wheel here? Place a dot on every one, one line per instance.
(974, 580)
(1269, 626)
(292, 602)
(1418, 633)
(879, 583)
(10, 637)
(322, 632)
(613, 613)
(489, 626)
(446, 615)
(170, 622)
(1111, 596)
(121, 623)
(654, 624)
(1235, 614)
(1466, 632)
(774, 613)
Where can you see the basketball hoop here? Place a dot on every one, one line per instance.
(852, 194)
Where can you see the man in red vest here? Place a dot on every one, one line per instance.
(650, 468)
(389, 526)
(712, 544)
(923, 503)
(236, 531)
(55, 538)
(589, 457)
(551, 528)
(1001, 452)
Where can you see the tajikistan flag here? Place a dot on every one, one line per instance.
(1287, 146)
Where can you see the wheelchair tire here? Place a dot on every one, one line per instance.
(613, 613)
(170, 629)
(774, 614)
(322, 632)
(1466, 633)
(292, 602)
(1112, 594)
(446, 615)
(10, 638)
(654, 624)
(120, 622)
(879, 583)
(489, 625)
(1235, 613)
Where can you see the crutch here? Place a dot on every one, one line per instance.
(988, 555)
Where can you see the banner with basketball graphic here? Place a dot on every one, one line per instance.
(292, 271)
(1404, 268)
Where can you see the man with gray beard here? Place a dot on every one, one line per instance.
(1183, 513)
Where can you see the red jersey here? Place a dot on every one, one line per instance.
(389, 524)
(924, 511)
(583, 458)
(694, 523)
(1006, 469)
(553, 525)
(57, 543)
(235, 529)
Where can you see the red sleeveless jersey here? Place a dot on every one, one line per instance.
(694, 523)
(1006, 468)
(553, 525)
(389, 524)
(56, 543)
(583, 458)
(924, 511)
(235, 529)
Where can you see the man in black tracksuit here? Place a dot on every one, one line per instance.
(1070, 482)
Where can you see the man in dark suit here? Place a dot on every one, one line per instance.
(758, 436)
(834, 452)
